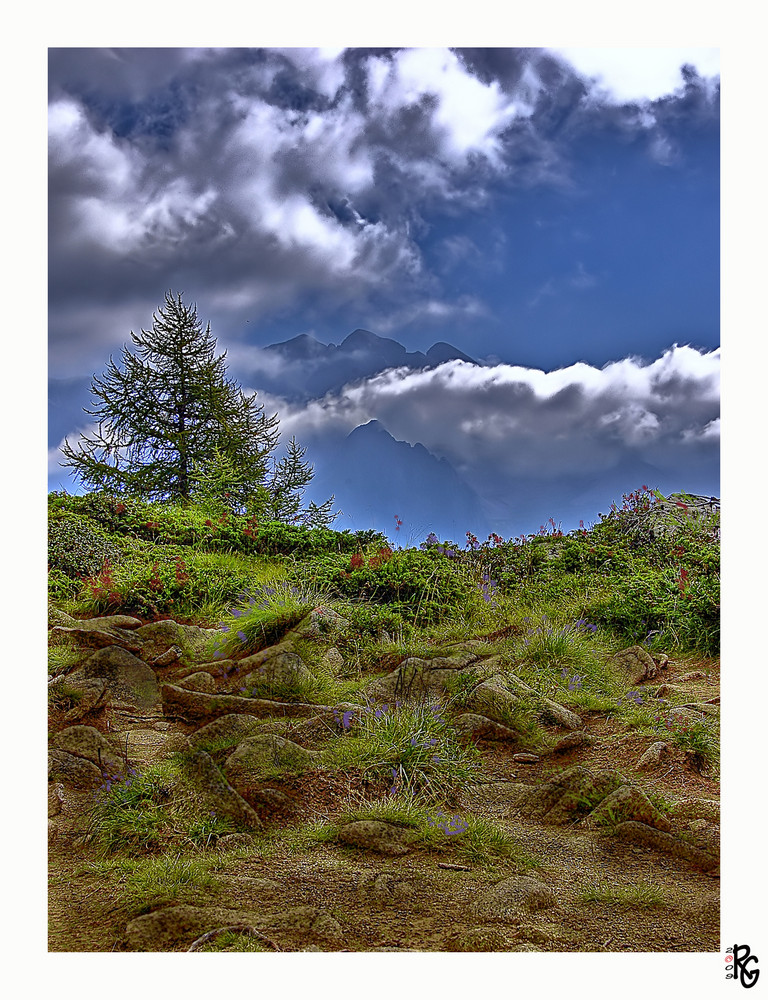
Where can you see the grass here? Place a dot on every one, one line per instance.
(644, 896)
(151, 811)
(146, 883)
(415, 747)
(561, 605)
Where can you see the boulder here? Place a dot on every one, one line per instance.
(195, 705)
(648, 836)
(493, 699)
(68, 769)
(226, 728)
(320, 622)
(175, 928)
(128, 679)
(627, 803)
(219, 794)
(653, 756)
(109, 621)
(513, 897)
(99, 637)
(259, 757)
(414, 679)
(158, 637)
(284, 671)
(637, 665)
(374, 835)
(553, 711)
(482, 728)
(83, 694)
(199, 681)
(90, 744)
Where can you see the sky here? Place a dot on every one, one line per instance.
(552, 213)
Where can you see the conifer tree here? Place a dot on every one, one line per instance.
(169, 420)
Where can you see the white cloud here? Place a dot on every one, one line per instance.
(468, 114)
(508, 421)
(637, 74)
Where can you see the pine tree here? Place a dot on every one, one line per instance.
(169, 422)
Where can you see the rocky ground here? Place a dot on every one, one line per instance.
(617, 834)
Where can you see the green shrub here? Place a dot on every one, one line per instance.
(77, 548)
(418, 584)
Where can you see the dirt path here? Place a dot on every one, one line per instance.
(606, 894)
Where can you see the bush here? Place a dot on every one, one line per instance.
(76, 548)
(421, 585)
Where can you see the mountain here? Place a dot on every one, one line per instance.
(304, 368)
(377, 479)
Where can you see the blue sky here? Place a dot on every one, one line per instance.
(554, 214)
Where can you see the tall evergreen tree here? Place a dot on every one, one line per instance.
(169, 414)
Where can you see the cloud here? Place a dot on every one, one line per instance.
(510, 422)
(268, 180)
(628, 75)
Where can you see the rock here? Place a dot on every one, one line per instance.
(486, 729)
(574, 791)
(174, 928)
(199, 681)
(493, 699)
(692, 675)
(416, 679)
(302, 920)
(559, 713)
(172, 655)
(259, 757)
(194, 705)
(159, 637)
(647, 836)
(653, 756)
(223, 798)
(685, 715)
(128, 679)
(513, 897)
(373, 835)
(387, 888)
(227, 728)
(90, 744)
(333, 661)
(83, 694)
(637, 665)
(68, 769)
(626, 803)
(570, 742)
(282, 672)
(99, 638)
(109, 621)
(321, 621)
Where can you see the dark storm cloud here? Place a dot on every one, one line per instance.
(255, 180)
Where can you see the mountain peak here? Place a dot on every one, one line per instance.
(440, 352)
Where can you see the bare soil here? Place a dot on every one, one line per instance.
(421, 904)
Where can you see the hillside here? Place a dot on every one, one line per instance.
(272, 738)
